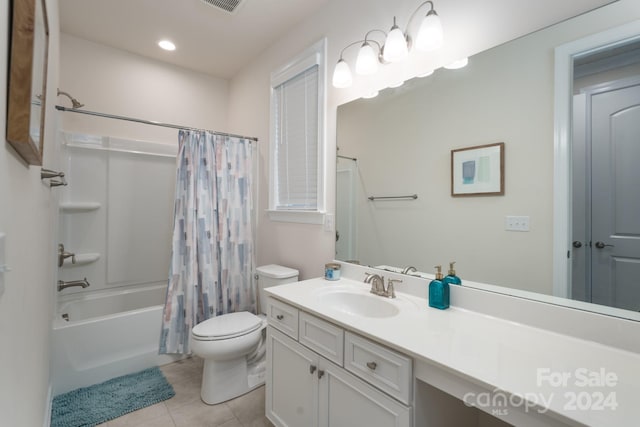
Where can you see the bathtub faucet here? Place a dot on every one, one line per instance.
(62, 284)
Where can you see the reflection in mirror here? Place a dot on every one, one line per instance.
(403, 139)
(27, 79)
(38, 76)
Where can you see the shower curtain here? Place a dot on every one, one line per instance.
(212, 253)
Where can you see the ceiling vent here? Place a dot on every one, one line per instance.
(229, 6)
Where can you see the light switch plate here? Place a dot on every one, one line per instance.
(329, 222)
(516, 223)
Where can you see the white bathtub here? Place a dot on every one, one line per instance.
(107, 334)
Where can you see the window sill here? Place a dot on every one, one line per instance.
(301, 217)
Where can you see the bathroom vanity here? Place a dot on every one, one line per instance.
(340, 356)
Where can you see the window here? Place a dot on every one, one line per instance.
(297, 144)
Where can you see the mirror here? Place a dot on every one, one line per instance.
(28, 79)
(400, 144)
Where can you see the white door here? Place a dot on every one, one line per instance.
(292, 382)
(615, 197)
(580, 265)
(347, 401)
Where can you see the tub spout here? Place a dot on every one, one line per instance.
(83, 283)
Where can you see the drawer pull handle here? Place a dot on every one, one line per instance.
(312, 369)
(279, 317)
(320, 373)
(372, 365)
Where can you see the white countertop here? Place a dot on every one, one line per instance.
(501, 355)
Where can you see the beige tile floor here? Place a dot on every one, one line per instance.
(185, 409)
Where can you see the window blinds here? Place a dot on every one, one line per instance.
(296, 139)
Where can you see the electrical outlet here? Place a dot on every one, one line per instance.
(516, 223)
(329, 222)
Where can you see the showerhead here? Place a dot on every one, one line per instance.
(74, 102)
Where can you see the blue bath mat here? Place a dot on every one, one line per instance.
(89, 406)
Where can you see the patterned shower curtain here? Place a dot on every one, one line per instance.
(212, 255)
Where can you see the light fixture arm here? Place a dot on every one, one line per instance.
(415, 12)
(349, 45)
(412, 17)
(366, 36)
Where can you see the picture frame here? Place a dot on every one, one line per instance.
(478, 171)
(27, 85)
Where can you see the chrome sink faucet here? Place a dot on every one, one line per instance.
(409, 269)
(377, 285)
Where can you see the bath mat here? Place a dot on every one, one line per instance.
(96, 404)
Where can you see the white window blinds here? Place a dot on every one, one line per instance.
(296, 139)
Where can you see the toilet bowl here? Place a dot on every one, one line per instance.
(233, 345)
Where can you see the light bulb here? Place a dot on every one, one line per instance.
(396, 84)
(367, 61)
(342, 75)
(430, 35)
(371, 94)
(425, 74)
(395, 47)
(166, 45)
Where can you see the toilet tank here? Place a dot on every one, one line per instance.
(273, 275)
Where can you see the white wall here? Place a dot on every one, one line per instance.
(114, 81)
(309, 247)
(28, 209)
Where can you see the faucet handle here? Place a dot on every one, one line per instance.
(391, 293)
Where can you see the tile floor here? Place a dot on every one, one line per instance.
(185, 409)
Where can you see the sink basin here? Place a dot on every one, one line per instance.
(358, 304)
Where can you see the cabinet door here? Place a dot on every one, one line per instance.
(292, 382)
(347, 401)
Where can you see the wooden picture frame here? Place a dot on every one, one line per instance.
(478, 171)
(27, 86)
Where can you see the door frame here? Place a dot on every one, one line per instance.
(563, 99)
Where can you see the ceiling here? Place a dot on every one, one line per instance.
(208, 39)
(221, 44)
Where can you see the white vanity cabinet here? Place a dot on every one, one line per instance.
(305, 388)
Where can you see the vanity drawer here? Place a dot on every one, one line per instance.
(322, 337)
(384, 368)
(283, 317)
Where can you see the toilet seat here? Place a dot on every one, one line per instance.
(226, 326)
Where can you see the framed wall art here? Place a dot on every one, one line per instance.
(478, 171)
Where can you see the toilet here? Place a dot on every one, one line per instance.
(233, 345)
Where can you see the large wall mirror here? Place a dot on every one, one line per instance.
(28, 79)
(399, 144)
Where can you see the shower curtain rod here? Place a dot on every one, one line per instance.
(148, 122)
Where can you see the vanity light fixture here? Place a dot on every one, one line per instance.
(342, 75)
(367, 62)
(396, 47)
(167, 45)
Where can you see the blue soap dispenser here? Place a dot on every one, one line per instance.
(451, 277)
(438, 291)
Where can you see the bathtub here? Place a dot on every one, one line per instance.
(106, 334)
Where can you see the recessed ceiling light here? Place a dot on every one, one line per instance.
(166, 45)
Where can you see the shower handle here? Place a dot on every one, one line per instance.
(62, 255)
